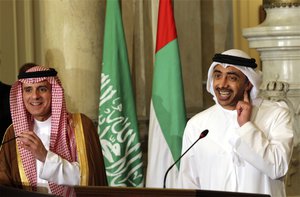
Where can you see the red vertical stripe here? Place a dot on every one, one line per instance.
(166, 31)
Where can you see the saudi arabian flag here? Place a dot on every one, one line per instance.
(117, 128)
(167, 110)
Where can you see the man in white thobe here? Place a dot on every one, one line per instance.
(250, 140)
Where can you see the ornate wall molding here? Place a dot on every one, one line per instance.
(278, 91)
(277, 39)
(280, 3)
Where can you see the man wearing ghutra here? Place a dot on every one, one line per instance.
(250, 140)
(54, 149)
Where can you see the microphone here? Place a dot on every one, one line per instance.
(202, 135)
(9, 140)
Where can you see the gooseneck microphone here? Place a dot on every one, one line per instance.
(202, 135)
(9, 140)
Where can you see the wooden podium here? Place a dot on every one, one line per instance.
(101, 191)
(16, 192)
(154, 192)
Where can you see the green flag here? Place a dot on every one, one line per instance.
(117, 123)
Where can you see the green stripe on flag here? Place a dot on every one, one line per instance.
(167, 96)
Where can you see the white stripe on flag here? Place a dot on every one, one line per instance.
(159, 156)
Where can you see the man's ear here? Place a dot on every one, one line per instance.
(249, 86)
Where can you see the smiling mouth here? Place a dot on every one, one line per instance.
(224, 94)
(36, 103)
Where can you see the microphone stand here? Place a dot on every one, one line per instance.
(202, 135)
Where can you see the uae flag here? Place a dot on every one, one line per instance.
(167, 110)
(117, 122)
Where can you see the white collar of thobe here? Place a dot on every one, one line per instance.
(230, 114)
(43, 130)
(40, 126)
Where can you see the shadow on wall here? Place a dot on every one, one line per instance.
(81, 82)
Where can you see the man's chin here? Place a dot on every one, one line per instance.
(226, 105)
(223, 101)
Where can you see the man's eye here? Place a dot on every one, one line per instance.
(27, 90)
(43, 89)
(233, 78)
(217, 76)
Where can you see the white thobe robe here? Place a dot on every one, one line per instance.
(55, 168)
(253, 158)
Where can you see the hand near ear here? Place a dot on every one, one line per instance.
(244, 109)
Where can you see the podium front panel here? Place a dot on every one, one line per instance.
(93, 191)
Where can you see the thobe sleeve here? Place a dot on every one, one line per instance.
(60, 171)
(9, 172)
(187, 177)
(269, 151)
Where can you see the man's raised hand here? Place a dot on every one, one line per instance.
(244, 109)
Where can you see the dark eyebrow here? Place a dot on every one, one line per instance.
(27, 87)
(216, 71)
(233, 73)
(228, 73)
(41, 86)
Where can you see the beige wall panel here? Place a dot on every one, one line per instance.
(8, 41)
(71, 40)
(245, 14)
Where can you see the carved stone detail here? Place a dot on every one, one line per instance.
(280, 3)
(276, 91)
(278, 42)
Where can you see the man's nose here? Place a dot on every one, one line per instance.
(35, 94)
(223, 82)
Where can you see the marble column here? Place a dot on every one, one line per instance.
(70, 41)
(277, 39)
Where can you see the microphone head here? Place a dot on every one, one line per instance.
(204, 133)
